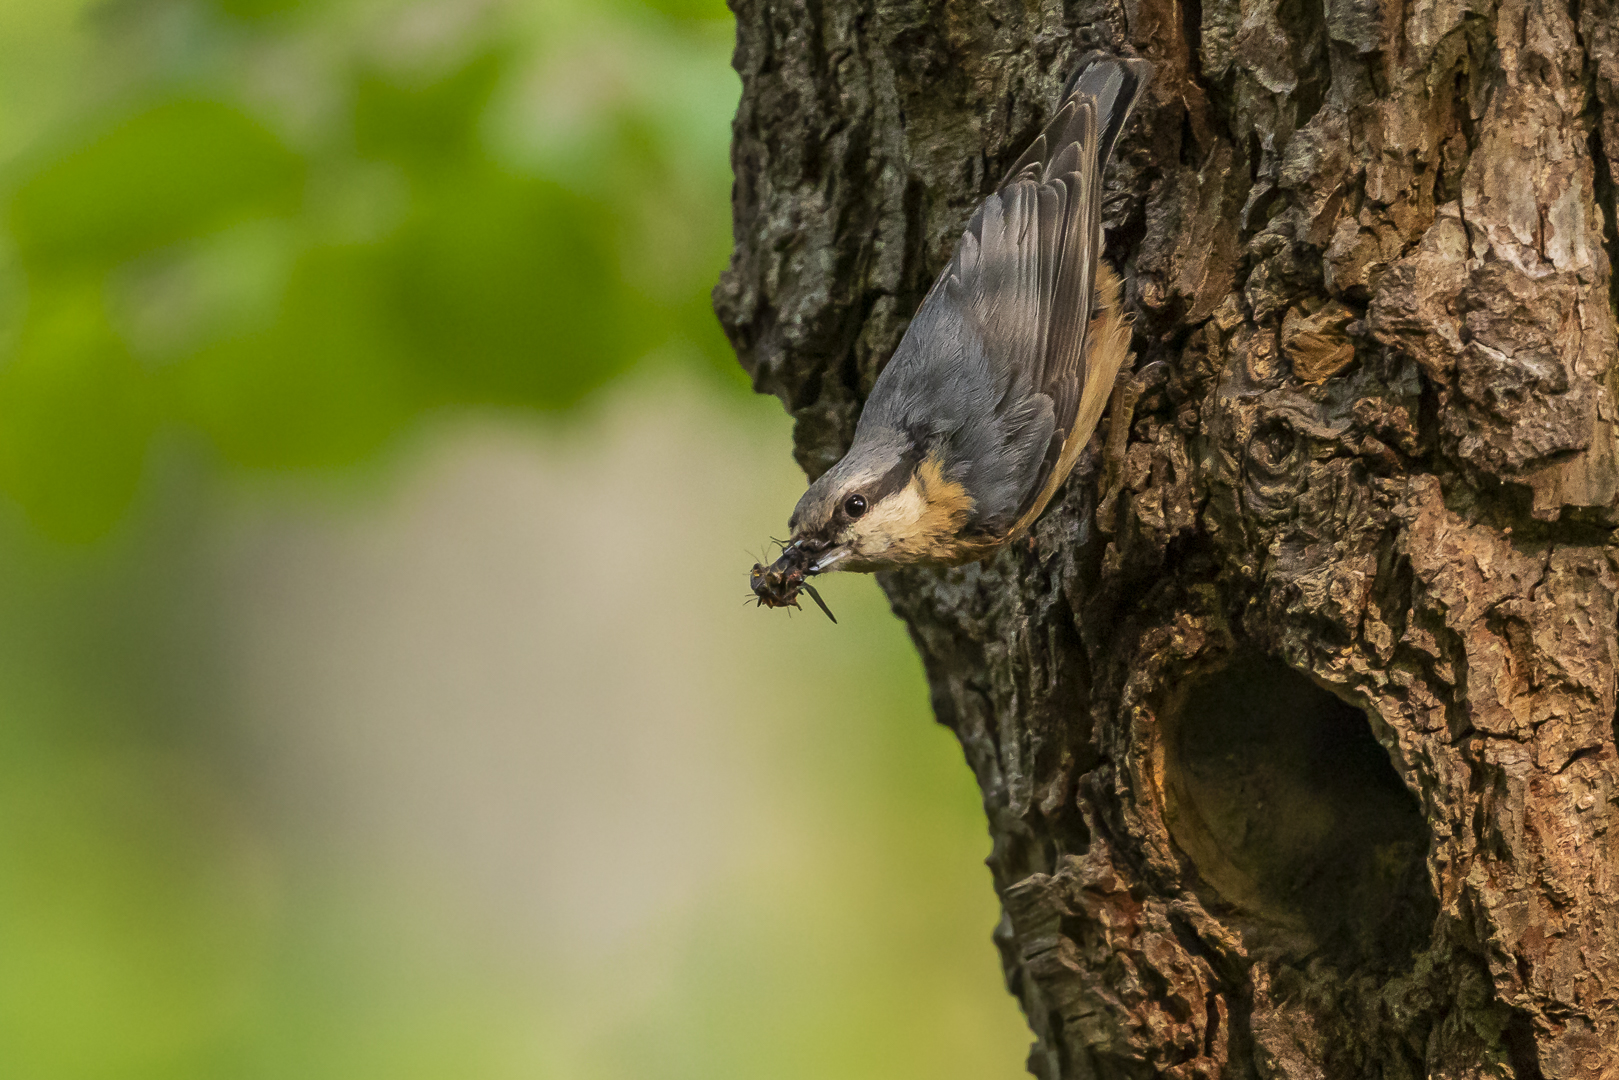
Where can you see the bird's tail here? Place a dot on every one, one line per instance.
(1113, 83)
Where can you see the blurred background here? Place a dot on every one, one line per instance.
(377, 696)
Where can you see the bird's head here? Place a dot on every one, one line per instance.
(889, 502)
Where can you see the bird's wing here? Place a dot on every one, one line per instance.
(1023, 279)
(1107, 348)
(1087, 338)
(1014, 310)
(1001, 292)
(1076, 171)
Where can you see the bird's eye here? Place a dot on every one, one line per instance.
(854, 505)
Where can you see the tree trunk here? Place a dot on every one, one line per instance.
(1295, 720)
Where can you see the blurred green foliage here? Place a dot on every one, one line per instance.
(270, 230)
(257, 244)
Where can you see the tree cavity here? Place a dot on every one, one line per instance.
(1294, 819)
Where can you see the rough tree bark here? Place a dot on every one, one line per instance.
(1295, 730)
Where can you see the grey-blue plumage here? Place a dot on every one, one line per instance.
(991, 381)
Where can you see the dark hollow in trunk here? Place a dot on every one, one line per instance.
(1299, 830)
(1294, 720)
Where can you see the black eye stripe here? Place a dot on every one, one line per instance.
(895, 478)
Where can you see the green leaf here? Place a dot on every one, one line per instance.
(178, 170)
(426, 124)
(508, 290)
(75, 414)
(319, 386)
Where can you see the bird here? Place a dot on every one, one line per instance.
(1001, 376)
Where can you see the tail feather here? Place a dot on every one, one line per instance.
(1114, 84)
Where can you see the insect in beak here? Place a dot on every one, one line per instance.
(779, 584)
(815, 596)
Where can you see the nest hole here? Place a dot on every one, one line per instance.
(1292, 814)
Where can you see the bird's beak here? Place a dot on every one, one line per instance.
(829, 559)
(811, 555)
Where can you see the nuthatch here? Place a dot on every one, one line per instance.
(1002, 375)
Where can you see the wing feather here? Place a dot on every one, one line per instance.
(1014, 312)
(1078, 366)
